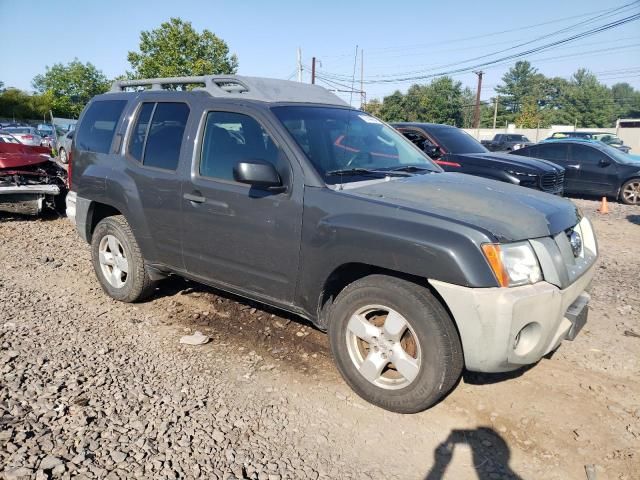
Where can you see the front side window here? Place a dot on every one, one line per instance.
(587, 155)
(339, 139)
(156, 136)
(230, 138)
(95, 134)
(455, 140)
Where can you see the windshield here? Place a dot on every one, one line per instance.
(339, 140)
(18, 130)
(618, 155)
(455, 140)
(608, 138)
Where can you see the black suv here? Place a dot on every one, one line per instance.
(457, 151)
(279, 192)
(592, 167)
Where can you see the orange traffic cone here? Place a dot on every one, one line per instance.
(604, 206)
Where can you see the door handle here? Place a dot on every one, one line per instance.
(575, 167)
(195, 197)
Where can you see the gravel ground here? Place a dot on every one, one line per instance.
(98, 389)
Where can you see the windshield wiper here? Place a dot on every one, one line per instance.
(411, 169)
(365, 171)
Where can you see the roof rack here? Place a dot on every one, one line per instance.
(236, 86)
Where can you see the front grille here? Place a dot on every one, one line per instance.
(552, 182)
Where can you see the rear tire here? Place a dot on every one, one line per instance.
(117, 261)
(630, 192)
(405, 325)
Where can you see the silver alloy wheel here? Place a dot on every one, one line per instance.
(383, 347)
(631, 192)
(63, 155)
(113, 261)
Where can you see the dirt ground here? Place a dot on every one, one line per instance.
(95, 388)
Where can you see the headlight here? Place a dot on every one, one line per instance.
(525, 179)
(516, 146)
(513, 264)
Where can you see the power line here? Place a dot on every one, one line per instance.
(537, 49)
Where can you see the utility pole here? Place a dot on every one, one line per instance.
(313, 70)
(363, 99)
(299, 64)
(495, 111)
(476, 113)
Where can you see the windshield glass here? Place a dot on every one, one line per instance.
(618, 155)
(455, 140)
(337, 139)
(18, 130)
(608, 138)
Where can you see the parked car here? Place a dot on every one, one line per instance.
(48, 134)
(592, 167)
(26, 135)
(608, 138)
(506, 142)
(457, 151)
(29, 180)
(280, 192)
(64, 146)
(8, 138)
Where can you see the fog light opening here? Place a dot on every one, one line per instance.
(527, 338)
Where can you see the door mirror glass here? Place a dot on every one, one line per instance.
(257, 173)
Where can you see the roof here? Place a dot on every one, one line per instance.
(241, 87)
(421, 124)
(592, 141)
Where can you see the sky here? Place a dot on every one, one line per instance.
(395, 37)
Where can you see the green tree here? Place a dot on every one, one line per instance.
(521, 83)
(373, 107)
(626, 101)
(529, 116)
(20, 105)
(588, 102)
(71, 86)
(177, 49)
(392, 109)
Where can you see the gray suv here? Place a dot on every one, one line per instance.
(279, 192)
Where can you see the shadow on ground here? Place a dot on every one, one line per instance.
(490, 453)
(634, 219)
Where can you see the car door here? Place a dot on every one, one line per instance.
(153, 152)
(235, 234)
(597, 172)
(558, 153)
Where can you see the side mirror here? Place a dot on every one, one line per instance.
(259, 174)
(604, 162)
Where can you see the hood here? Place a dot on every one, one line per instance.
(507, 161)
(21, 160)
(507, 212)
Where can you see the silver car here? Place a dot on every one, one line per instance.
(26, 135)
(8, 138)
(64, 146)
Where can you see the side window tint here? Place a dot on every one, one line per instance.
(584, 154)
(139, 131)
(162, 148)
(230, 138)
(553, 152)
(95, 134)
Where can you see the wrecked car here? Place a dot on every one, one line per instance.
(29, 180)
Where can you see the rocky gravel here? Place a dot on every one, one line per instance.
(92, 388)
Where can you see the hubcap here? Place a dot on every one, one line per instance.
(113, 261)
(631, 193)
(63, 156)
(383, 347)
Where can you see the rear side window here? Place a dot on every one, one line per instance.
(95, 134)
(553, 152)
(156, 136)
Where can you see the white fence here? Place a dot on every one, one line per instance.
(630, 136)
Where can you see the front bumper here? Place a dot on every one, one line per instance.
(491, 320)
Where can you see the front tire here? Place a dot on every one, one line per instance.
(63, 156)
(630, 192)
(394, 343)
(117, 261)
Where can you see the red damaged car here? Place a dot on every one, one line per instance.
(29, 179)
